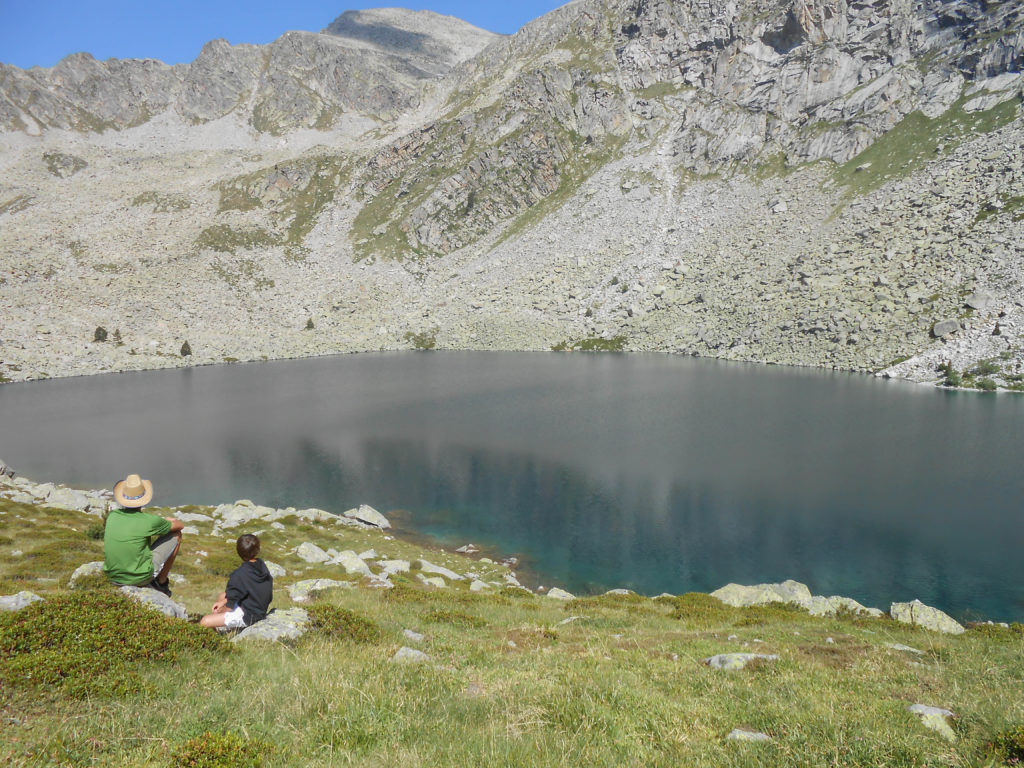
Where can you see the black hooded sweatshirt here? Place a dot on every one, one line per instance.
(252, 587)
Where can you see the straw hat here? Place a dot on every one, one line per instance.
(133, 492)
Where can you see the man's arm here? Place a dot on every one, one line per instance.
(176, 524)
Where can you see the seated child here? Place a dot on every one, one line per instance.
(249, 591)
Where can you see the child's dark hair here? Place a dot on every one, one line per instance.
(248, 546)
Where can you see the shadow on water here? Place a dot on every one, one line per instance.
(647, 472)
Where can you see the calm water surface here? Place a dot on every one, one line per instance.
(649, 472)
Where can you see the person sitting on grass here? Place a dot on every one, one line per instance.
(249, 592)
(139, 547)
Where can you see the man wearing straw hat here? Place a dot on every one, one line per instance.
(139, 547)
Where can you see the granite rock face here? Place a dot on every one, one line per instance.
(809, 182)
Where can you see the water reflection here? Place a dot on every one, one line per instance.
(655, 473)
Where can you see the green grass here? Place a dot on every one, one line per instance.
(508, 683)
(914, 141)
(161, 202)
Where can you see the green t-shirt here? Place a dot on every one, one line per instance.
(126, 555)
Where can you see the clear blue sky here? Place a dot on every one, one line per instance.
(42, 32)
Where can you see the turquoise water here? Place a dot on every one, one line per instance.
(649, 472)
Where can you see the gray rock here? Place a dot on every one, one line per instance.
(433, 581)
(944, 328)
(88, 569)
(311, 553)
(301, 591)
(416, 637)
(733, 661)
(921, 615)
(279, 625)
(555, 593)
(935, 719)
(479, 586)
(351, 562)
(739, 734)
(904, 648)
(367, 514)
(18, 601)
(406, 655)
(428, 567)
(157, 601)
(77, 501)
(980, 300)
(275, 570)
(394, 566)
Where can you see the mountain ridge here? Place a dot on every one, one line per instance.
(554, 188)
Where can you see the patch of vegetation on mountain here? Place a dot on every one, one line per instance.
(917, 140)
(162, 202)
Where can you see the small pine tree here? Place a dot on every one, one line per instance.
(186, 350)
(117, 337)
(309, 324)
(100, 334)
(997, 331)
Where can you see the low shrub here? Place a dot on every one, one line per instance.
(1009, 745)
(221, 749)
(700, 610)
(986, 385)
(95, 531)
(327, 619)
(92, 643)
(456, 618)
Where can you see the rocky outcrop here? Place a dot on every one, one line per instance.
(791, 593)
(921, 615)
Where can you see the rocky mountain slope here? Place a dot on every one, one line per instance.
(815, 183)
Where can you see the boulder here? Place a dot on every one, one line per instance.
(394, 566)
(239, 513)
(733, 661)
(301, 591)
(479, 586)
(921, 615)
(158, 601)
(433, 581)
(16, 602)
(416, 637)
(276, 570)
(311, 553)
(279, 625)
(406, 655)
(88, 569)
(935, 719)
(192, 517)
(351, 562)
(980, 300)
(76, 501)
(428, 567)
(559, 594)
(739, 734)
(367, 514)
(944, 328)
(792, 593)
(740, 596)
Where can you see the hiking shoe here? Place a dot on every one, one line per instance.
(165, 588)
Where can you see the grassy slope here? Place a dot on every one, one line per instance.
(509, 684)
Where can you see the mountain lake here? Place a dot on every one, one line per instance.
(650, 472)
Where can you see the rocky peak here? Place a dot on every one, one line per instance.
(437, 43)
